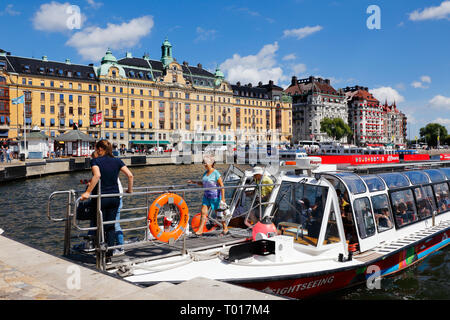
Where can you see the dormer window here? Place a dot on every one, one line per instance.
(114, 73)
(41, 70)
(26, 68)
(78, 74)
(149, 76)
(141, 75)
(91, 75)
(131, 73)
(51, 71)
(61, 72)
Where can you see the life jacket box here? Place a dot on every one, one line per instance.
(284, 245)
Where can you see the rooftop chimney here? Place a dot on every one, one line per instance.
(68, 61)
(44, 58)
(199, 66)
(294, 81)
(185, 63)
(129, 55)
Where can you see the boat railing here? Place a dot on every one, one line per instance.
(100, 247)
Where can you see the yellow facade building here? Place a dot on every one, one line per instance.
(143, 102)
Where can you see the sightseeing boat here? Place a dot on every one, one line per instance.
(320, 230)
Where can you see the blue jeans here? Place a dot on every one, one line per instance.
(109, 207)
(118, 230)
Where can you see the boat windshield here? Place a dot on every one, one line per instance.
(299, 210)
(394, 180)
(353, 182)
(446, 171)
(417, 177)
(435, 175)
(374, 183)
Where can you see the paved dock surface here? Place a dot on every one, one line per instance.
(30, 274)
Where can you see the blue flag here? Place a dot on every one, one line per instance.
(18, 100)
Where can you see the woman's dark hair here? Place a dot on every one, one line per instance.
(105, 145)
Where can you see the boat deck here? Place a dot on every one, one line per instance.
(152, 250)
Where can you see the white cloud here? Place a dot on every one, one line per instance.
(299, 68)
(421, 83)
(440, 102)
(94, 5)
(203, 34)
(301, 32)
(55, 17)
(288, 57)
(254, 68)
(417, 84)
(442, 121)
(92, 42)
(9, 10)
(432, 13)
(387, 93)
(426, 79)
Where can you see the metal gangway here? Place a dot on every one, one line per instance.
(235, 181)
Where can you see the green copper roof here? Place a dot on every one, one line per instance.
(108, 57)
(219, 73)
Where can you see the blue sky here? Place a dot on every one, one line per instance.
(406, 59)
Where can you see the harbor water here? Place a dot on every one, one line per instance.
(23, 217)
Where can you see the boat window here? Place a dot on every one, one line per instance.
(374, 183)
(383, 214)
(301, 205)
(417, 177)
(353, 182)
(435, 175)
(332, 233)
(424, 201)
(442, 197)
(364, 218)
(394, 180)
(403, 206)
(445, 171)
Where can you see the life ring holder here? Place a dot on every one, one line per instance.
(152, 217)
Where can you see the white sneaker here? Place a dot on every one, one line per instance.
(118, 252)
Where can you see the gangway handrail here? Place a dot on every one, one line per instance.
(49, 216)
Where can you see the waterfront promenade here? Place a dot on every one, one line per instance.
(30, 274)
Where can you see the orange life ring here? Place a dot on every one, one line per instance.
(153, 217)
(195, 223)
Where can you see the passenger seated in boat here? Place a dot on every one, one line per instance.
(401, 214)
(383, 219)
(424, 208)
(442, 203)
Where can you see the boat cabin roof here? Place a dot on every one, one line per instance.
(358, 184)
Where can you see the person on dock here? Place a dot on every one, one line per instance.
(211, 198)
(107, 168)
(8, 155)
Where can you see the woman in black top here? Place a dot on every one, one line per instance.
(107, 168)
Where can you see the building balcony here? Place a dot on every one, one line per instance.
(92, 103)
(224, 123)
(114, 117)
(61, 115)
